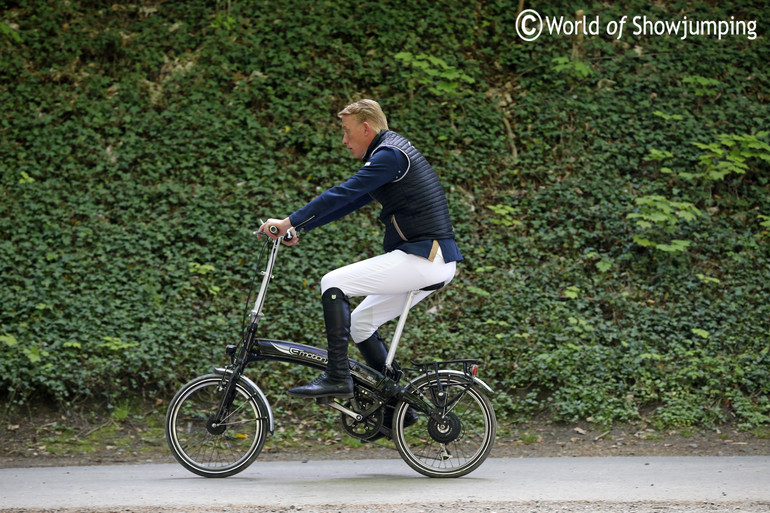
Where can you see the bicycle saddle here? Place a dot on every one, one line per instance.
(435, 286)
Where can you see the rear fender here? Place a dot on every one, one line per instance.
(457, 374)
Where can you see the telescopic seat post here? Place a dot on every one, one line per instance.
(399, 330)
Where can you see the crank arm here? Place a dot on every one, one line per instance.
(337, 406)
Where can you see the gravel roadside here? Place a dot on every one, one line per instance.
(455, 507)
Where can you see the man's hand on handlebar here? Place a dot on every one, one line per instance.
(275, 228)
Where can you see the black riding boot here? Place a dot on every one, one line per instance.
(336, 380)
(375, 352)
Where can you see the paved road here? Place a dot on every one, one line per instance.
(284, 484)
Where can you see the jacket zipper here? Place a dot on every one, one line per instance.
(304, 222)
(398, 229)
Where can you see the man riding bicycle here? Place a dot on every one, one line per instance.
(419, 245)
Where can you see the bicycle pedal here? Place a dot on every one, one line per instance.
(323, 400)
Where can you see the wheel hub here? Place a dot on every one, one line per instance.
(214, 428)
(447, 430)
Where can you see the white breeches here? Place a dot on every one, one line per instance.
(386, 281)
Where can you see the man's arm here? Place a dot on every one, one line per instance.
(342, 199)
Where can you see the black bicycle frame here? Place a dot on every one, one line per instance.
(309, 356)
(375, 385)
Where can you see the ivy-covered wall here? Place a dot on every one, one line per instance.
(611, 195)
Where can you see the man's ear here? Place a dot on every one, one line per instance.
(367, 128)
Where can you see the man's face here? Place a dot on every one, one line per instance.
(357, 136)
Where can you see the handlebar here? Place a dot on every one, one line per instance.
(274, 230)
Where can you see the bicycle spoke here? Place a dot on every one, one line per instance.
(210, 449)
(455, 445)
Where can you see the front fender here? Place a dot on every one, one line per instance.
(255, 390)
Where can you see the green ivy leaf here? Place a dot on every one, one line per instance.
(476, 290)
(701, 333)
(9, 340)
(604, 265)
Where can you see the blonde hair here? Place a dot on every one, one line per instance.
(366, 111)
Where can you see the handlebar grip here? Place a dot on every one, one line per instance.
(274, 230)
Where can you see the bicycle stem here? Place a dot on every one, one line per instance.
(256, 312)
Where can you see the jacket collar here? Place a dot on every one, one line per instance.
(375, 142)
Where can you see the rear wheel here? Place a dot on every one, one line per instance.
(457, 442)
(209, 448)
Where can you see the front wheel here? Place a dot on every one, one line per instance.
(210, 448)
(458, 443)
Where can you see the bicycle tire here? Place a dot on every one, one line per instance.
(458, 445)
(215, 451)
